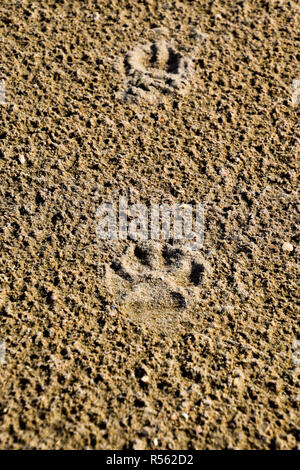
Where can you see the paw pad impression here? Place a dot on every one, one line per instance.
(155, 284)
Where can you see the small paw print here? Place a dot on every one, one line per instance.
(156, 284)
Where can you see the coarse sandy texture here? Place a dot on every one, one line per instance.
(172, 101)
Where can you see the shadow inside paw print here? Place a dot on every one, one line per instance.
(154, 69)
(155, 285)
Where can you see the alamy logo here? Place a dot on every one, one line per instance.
(296, 353)
(2, 92)
(158, 222)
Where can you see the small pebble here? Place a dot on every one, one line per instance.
(22, 159)
(287, 247)
(185, 415)
(52, 297)
(155, 441)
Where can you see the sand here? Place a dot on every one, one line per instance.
(117, 345)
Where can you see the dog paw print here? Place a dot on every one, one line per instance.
(155, 284)
(155, 69)
(296, 92)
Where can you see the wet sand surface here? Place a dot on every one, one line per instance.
(120, 345)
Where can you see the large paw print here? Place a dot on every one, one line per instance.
(155, 285)
(154, 69)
